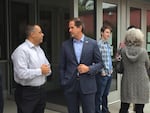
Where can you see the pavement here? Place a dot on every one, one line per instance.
(10, 107)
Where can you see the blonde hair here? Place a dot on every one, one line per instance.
(134, 37)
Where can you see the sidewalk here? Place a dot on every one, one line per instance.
(10, 107)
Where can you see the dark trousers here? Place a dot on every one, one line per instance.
(76, 97)
(138, 108)
(30, 99)
(101, 99)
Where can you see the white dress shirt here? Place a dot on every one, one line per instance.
(27, 60)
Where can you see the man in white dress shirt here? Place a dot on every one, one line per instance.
(31, 68)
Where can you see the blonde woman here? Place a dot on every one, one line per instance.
(135, 80)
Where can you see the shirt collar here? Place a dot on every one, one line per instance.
(104, 41)
(30, 44)
(81, 40)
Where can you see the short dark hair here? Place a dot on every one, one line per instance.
(29, 29)
(78, 23)
(104, 27)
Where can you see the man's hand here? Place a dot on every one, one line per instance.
(82, 68)
(45, 69)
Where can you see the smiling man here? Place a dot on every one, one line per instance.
(31, 68)
(104, 79)
(80, 62)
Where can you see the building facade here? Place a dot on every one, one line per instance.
(53, 15)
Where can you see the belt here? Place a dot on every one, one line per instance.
(35, 87)
(77, 78)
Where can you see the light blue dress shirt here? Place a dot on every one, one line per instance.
(78, 45)
(27, 60)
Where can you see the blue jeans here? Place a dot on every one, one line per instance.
(103, 86)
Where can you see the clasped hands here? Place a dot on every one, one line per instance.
(45, 68)
(82, 68)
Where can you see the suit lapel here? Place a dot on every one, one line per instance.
(84, 49)
(72, 50)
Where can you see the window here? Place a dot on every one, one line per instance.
(135, 17)
(19, 19)
(110, 18)
(86, 13)
(148, 31)
(3, 39)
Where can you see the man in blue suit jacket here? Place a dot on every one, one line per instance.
(80, 62)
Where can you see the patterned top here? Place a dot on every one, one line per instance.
(105, 50)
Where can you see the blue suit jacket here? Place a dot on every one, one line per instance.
(90, 56)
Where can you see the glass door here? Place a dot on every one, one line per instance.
(148, 31)
(3, 39)
(3, 48)
(110, 17)
(135, 17)
(53, 18)
(21, 13)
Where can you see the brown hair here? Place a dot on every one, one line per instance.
(78, 23)
(104, 27)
